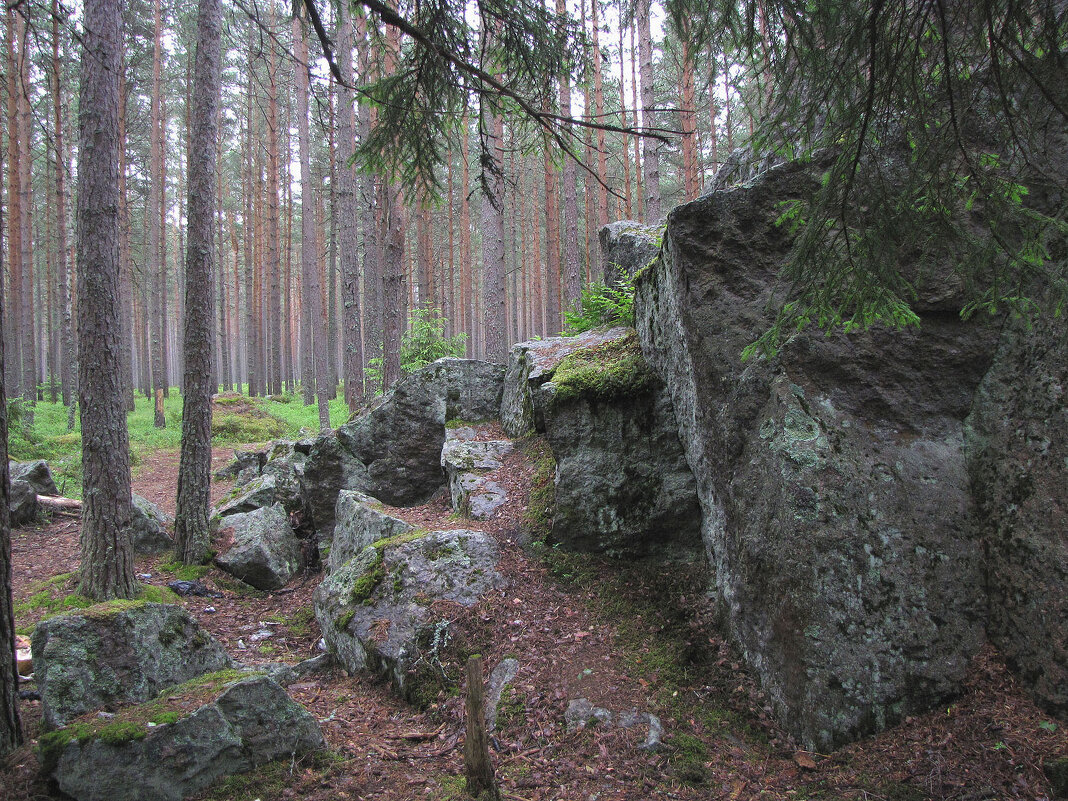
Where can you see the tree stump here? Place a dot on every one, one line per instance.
(477, 766)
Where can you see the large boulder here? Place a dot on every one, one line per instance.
(265, 553)
(256, 494)
(627, 247)
(530, 367)
(832, 478)
(623, 486)
(245, 462)
(36, 473)
(376, 611)
(22, 503)
(148, 527)
(361, 521)
(208, 728)
(393, 452)
(117, 653)
(1018, 457)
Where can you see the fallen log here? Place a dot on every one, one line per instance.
(59, 504)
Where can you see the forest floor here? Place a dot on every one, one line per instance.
(619, 635)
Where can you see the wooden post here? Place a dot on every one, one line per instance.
(477, 765)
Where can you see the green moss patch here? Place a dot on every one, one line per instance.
(603, 372)
(184, 572)
(400, 539)
(365, 585)
(54, 596)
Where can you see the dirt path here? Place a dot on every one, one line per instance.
(622, 637)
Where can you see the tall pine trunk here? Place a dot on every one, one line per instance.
(107, 569)
(650, 156)
(191, 537)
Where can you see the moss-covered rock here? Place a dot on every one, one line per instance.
(375, 609)
(360, 521)
(116, 653)
(213, 726)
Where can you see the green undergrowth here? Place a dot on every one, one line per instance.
(604, 372)
(270, 779)
(538, 517)
(237, 419)
(184, 572)
(299, 622)
(58, 596)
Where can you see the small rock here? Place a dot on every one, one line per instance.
(209, 610)
(185, 588)
(22, 501)
(266, 552)
(36, 473)
(260, 635)
(148, 527)
(500, 678)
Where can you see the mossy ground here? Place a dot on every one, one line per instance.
(604, 372)
(58, 595)
(538, 517)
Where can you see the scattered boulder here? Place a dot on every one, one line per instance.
(530, 366)
(623, 486)
(375, 609)
(212, 727)
(627, 247)
(467, 463)
(393, 452)
(265, 553)
(258, 493)
(360, 521)
(22, 503)
(581, 713)
(148, 527)
(834, 490)
(285, 463)
(36, 473)
(116, 653)
(1018, 463)
(499, 678)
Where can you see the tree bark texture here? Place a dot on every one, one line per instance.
(107, 569)
(191, 537)
(650, 156)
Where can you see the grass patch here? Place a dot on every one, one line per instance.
(270, 779)
(604, 372)
(299, 623)
(183, 572)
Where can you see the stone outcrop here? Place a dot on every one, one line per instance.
(627, 247)
(530, 368)
(361, 521)
(468, 463)
(623, 486)
(148, 527)
(211, 727)
(36, 473)
(375, 610)
(832, 479)
(117, 653)
(265, 553)
(1018, 459)
(393, 452)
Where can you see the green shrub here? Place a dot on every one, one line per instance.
(425, 342)
(602, 305)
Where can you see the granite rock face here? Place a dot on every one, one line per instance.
(247, 722)
(468, 464)
(117, 653)
(530, 368)
(265, 553)
(361, 521)
(375, 610)
(835, 499)
(1018, 460)
(148, 527)
(622, 485)
(22, 503)
(627, 247)
(36, 473)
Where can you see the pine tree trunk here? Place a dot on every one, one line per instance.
(274, 259)
(493, 275)
(552, 244)
(66, 339)
(651, 155)
(155, 213)
(312, 305)
(191, 536)
(346, 223)
(598, 103)
(14, 216)
(28, 325)
(688, 123)
(571, 278)
(107, 569)
(10, 726)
